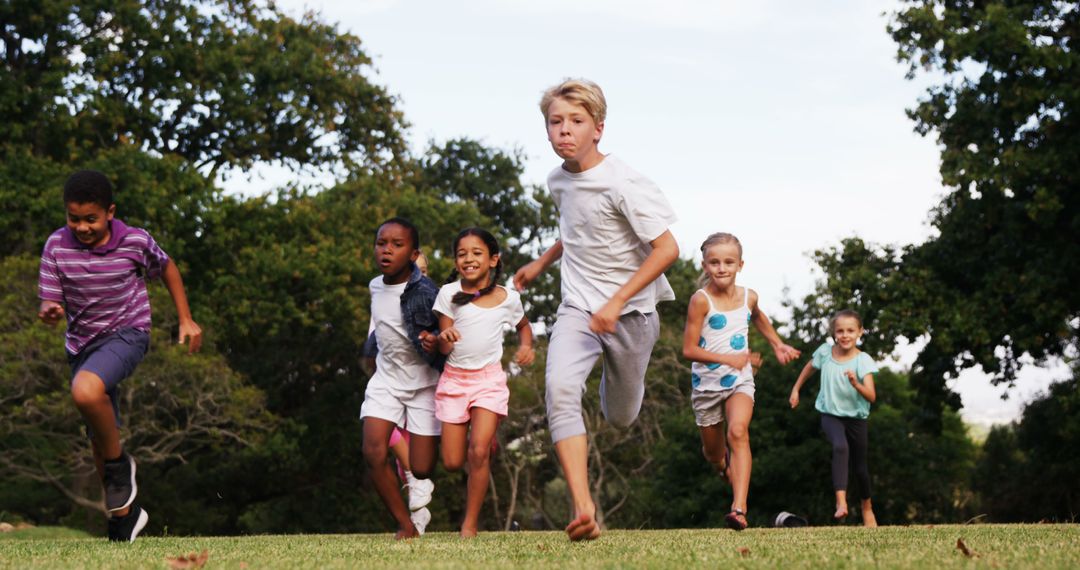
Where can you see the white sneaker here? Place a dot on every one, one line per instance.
(420, 491)
(420, 520)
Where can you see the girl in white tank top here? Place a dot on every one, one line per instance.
(716, 341)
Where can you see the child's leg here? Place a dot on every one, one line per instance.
(89, 393)
(626, 357)
(858, 440)
(484, 423)
(376, 444)
(422, 453)
(835, 434)
(739, 409)
(399, 446)
(572, 352)
(714, 447)
(455, 441)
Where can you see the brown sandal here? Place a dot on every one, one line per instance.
(733, 522)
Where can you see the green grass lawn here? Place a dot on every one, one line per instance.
(996, 546)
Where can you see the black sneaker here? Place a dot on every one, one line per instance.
(126, 528)
(120, 485)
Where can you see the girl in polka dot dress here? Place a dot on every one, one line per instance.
(716, 341)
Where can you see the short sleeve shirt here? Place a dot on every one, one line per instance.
(608, 215)
(397, 364)
(482, 328)
(103, 288)
(837, 397)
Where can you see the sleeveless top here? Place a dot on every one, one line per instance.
(723, 332)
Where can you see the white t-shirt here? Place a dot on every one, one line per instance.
(608, 215)
(482, 329)
(397, 364)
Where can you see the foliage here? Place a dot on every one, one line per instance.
(998, 279)
(220, 83)
(1023, 474)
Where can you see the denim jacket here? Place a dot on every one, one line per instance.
(416, 303)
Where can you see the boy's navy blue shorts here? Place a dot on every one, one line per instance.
(112, 357)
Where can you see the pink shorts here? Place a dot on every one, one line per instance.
(461, 390)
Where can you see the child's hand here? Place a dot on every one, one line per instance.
(427, 341)
(50, 312)
(605, 320)
(794, 399)
(852, 377)
(524, 355)
(192, 333)
(738, 361)
(450, 335)
(527, 274)
(785, 353)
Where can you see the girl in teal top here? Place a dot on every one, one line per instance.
(847, 390)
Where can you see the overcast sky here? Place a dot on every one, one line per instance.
(780, 122)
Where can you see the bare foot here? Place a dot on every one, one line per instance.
(841, 512)
(468, 532)
(868, 518)
(584, 527)
(406, 533)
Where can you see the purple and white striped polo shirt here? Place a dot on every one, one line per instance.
(103, 288)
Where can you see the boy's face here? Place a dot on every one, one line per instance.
(572, 131)
(394, 253)
(89, 222)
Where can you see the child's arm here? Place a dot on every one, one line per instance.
(525, 353)
(695, 317)
(534, 268)
(665, 250)
(784, 352)
(189, 330)
(448, 335)
(866, 388)
(803, 377)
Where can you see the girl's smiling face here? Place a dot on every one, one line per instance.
(474, 261)
(846, 332)
(722, 262)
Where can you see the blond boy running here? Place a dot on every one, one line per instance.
(615, 245)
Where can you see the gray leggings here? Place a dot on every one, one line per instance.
(849, 440)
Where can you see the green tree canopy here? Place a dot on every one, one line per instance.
(220, 83)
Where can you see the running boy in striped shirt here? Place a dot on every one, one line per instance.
(94, 272)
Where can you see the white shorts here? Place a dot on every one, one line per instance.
(413, 410)
(709, 404)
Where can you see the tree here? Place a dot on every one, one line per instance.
(1022, 475)
(997, 281)
(220, 83)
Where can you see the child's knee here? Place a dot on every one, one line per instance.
(715, 458)
(738, 433)
(479, 454)
(375, 453)
(453, 461)
(622, 418)
(87, 391)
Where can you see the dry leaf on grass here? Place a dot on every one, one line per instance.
(964, 548)
(743, 551)
(190, 560)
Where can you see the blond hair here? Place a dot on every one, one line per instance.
(715, 239)
(580, 92)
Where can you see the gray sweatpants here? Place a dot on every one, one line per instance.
(572, 352)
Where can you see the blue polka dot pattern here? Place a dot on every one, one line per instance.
(701, 342)
(728, 381)
(738, 342)
(712, 365)
(717, 322)
(695, 380)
